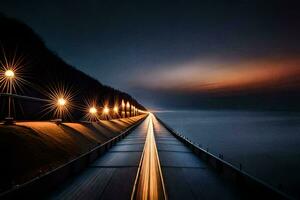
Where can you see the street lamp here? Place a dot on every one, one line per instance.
(116, 109)
(123, 109)
(9, 75)
(133, 109)
(61, 105)
(106, 110)
(92, 114)
(61, 102)
(127, 109)
(93, 110)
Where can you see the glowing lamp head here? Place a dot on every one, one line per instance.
(61, 102)
(106, 110)
(9, 73)
(93, 110)
(116, 109)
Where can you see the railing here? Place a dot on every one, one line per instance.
(24, 97)
(38, 186)
(229, 171)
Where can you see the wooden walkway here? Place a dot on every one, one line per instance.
(149, 163)
(112, 176)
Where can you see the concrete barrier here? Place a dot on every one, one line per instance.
(37, 187)
(246, 182)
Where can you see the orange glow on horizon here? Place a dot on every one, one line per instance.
(199, 77)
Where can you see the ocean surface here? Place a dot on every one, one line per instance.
(266, 144)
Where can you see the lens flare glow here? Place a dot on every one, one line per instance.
(106, 110)
(9, 73)
(116, 109)
(61, 102)
(12, 67)
(90, 109)
(93, 110)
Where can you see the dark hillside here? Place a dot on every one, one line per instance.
(42, 68)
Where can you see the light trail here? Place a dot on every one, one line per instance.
(149, 181)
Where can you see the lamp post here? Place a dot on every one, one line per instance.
(123, 109)
(61, 104)
(116, 111)
(9, 75)
(106, 112)
(127, 109)
(133, 111)
(93, 112)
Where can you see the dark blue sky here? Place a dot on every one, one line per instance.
(133, 46)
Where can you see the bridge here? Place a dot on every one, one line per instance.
(149, 161)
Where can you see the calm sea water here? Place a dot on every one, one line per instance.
(267, 144)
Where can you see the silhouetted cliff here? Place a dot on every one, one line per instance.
(42, 68)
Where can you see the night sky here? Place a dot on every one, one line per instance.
(159, 51)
